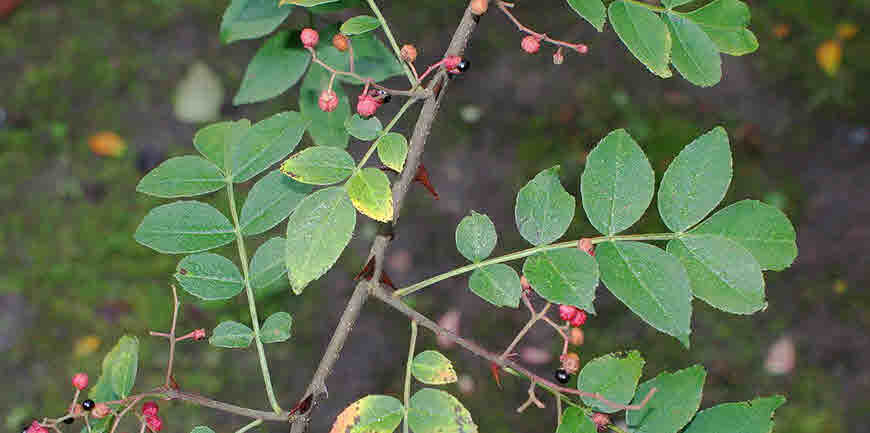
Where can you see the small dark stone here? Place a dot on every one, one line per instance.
(562, 376)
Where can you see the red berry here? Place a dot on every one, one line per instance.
(340, 42)
(582, 49)
(150, 408)
(567, 312)
(409, 53)
(154, 423)
(586, 245)
(579, 319)
(451, 62)
(531, 44)
(34, 427)
(101, 410)
(524, 282)
(366, 106)
(80, 381)
(327, 102)
(309, 37)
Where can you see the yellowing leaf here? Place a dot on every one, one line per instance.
(846, 31)
(107, 144)
(829, 56)
(369, 190)
(86, 345)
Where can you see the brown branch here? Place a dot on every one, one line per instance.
(579, 47)
(534, 319)
(422, 129)
(380, 293)
(172, 336)
(421, 93)
(532, 399)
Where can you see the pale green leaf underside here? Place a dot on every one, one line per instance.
(276, 328)
(618, 183)
(270, 201)
(182, 176)
(268, 264)
(544, 209)
(497, 284)
(202, 429)
(435, 411)
(760, 228)
(231, 335)
(184, 227)
(433, 368)
(644, 34)
(317, 232)
(754, 416)
(209, 276)
(675, 402)
(696, 181)
(121, 365)
(319, 165)
(614, 376)
(476, 237)
(651, 282)
(722, 272)
(565, 276)
(277, 66)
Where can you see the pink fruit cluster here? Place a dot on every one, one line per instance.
(573, 315)
(149, 411)
(309, 37)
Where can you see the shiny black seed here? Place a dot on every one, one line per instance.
(387, 98)
(463, 65)
(562, 376)
(69, 420)
(88, 404)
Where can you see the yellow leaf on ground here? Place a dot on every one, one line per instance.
(86, 345)
(846, 31)
(107, 144)
(829, 56)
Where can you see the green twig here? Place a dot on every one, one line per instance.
(393, 43)
(528, 252)
(408, 373)
(250, 425)
(255, 321)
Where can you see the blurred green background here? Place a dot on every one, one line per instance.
(72, 280)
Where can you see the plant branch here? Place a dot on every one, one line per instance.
(172, 335)
(393, 301)
(503, 6)
(385, 131)
(250, 425)
(366, 80)
(535, 317)
(392, 40)
(417, 144)
(252, 304)
(528, 252)
(408, 373)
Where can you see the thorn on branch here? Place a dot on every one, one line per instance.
(368, 272)
(422, 176)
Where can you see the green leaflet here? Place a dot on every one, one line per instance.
(696, 181)
(433, 368)
(277, 66)
(363, 129)
(359, 24)
(276, 328)
(184, 227)
(475, 237)
(319, 165)
(231, 335)
(565, 276)
(215, 140)
(675, 402)
(544, 209)
(497, 284)
(435, 411)
(651, 282)
(268, 264)
(182, 176)
(369, 190)
(693, 54)
(575, 421)
(618, 183)
(370, 414)
(644, 34)
(248, 19)
(265, 143)
(317, 232)
(392, 150)
(614, 376)
(209, 276)
(725, 22)
(746, 417)
(591, 10)
(270, 201)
